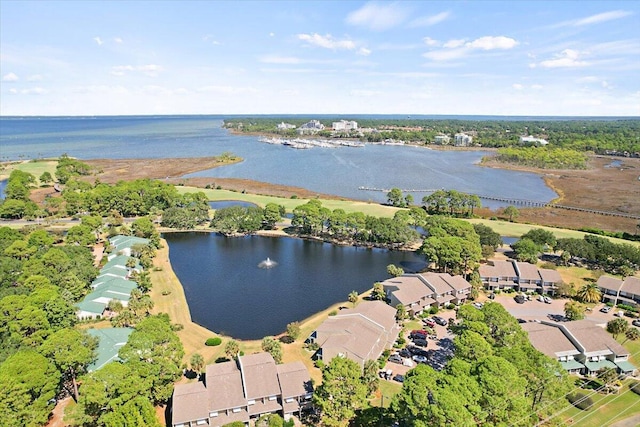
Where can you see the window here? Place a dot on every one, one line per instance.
(201, 422)
(288, 400)
(213, 414)
(272, 397)
(235, 410)
(251, 402)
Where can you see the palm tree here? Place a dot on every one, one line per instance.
(589, 293)
(632, 334)
(353, 297)
(197, 362)
(232, 348)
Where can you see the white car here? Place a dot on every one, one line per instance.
(419, 358)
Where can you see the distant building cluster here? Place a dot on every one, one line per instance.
(311, 127)
(344, 125)
(442, 140)
(533, 141)
(616, 291)
(459, 140)
(285, 126)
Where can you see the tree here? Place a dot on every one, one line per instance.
(28, 381)
(197, 362)
(370, 376)
(394, 271)
(273, 347)
(488, 237)
(46, 177)
(589, 292)
(512, 212)
(541, 237)
(155, 353)
(395, 198)
(573, 310)
(378, 292)
(617, 327)
(565, 289)
(272, 214)
(80, 235)
(632, 334)
(341, 393)
(231, 349)
(71, 350)
(293, 330)
(353, 297)
(401, 312)
(526, 250)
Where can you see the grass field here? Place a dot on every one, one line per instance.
(34, 167)
(607, 409)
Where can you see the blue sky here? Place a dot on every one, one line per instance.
(329, 57)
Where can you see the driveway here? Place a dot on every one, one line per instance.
(537, 310)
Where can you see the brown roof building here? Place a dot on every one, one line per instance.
(417, 292)
(626, 291)
(579, 345)
(523, 276)
(240, 390)
(360, 334)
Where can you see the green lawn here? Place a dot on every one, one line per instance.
(607, 409)
(514, 229)
(374, 209)
(388, 389)
(34, 167)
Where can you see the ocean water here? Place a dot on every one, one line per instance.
(337, 171)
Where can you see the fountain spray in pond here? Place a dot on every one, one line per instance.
(267, 263)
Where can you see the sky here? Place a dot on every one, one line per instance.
(535, 58)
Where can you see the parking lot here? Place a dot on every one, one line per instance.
(440, 349)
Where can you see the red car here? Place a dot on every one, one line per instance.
(430, 323)
(419, 332)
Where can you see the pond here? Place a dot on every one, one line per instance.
(228, 293)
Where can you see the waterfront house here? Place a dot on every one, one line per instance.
(584, 346)
(442, 140)
(121, 245)
(344, 125)
(285, 126)
(360, 334)
(616, 291)
(462, 140)
(310, 128)
(530, 140)
(419, 292)
(242, 390)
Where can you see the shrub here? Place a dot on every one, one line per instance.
(319, 363)
(177, 327)
(313, 346)
(333, 313)
(286, 339)
(581, 401)
(212, 342)
(433, 310)
(627, 307)
(635, 387)
(450, 306)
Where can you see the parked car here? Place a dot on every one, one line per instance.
(636, 322)
(420, 342)
(440, 321)
(605, 309)
(395, 358)
(540, 298)
(430, 323)
(404, 353)
(419, 333)
(520, 299)
(417, 351)
(492, 296)
(399, 378)
(418, 336)
(619, 313)
(478, 305)
(547, 300)
(420, 359)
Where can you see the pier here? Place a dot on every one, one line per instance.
(516, 202)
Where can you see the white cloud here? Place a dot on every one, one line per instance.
(118, 40)
(491, 43)
(363, 51)
(568, 58)
(13, 90)
(459, 48)
(101, 90)
(34, 91)
(430, 42)
(210, 39)
(517, 86)
(601, 17)
(537, 87)
(454, 43)
(10, 77)
(378, 17)
(327, 41)
(271, 34)
(98, 40)
(150, 70)
(395, 46)
(34, 78)
(427, 21)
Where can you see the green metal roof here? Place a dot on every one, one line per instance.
(118, 271)
(594, 366)
(91, 306)
(570, 365)
(110, 342)
(114, 281)
(120, 242)
(625, 366)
